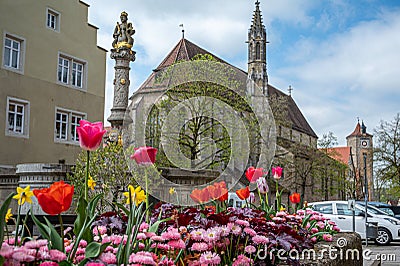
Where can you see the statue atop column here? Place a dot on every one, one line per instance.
(123, 55)
(123, 33)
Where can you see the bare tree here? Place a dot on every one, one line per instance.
(387, 153)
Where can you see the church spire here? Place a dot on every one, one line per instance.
(257, 51)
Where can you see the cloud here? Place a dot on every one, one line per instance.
(349, 74)
(340, 57)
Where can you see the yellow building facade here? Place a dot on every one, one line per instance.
(52, 75)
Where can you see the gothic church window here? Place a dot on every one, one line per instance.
(258, 55)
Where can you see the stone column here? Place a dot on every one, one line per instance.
(123, 56)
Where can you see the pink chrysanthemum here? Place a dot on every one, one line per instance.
(21, 256)
(143, 227)
(327, 237)
(48, 263)
(236, 230)
(141, 236)
(57, 255)
(258, 239)
(210, 258)
(108, 258)
(171, 234)
(211, 235)
(157, 238)
(242, 223)
(242, 260)
(250, 249)
(249, 231)
(142, 258)
(177, 244)
(199, 246)
(225, 230)
(36, 244)
(166, 262)
(197, 235)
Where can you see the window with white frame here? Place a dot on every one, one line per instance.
(53, 19)
(17, 118)
(66, 124)
(71, 71)
(12, 52)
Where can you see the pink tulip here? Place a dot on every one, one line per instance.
(252, 174)
(277, 172)
(144, 155)
(90, 135)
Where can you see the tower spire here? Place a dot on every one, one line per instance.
(257, 51)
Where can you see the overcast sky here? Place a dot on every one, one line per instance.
(341, 57)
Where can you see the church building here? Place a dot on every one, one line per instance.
(291, 125)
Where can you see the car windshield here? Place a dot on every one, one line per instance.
(373, 210)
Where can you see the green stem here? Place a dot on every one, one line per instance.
(61, 230)
(17, 225)
(278, 200)
(147, 196)
(87, 176)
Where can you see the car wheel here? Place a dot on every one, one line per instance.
(384, 237)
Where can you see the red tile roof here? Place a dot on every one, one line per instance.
(186, 50)
(341, 154)
(357, 132)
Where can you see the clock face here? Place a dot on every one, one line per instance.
(364, 143)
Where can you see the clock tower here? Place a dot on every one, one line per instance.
(361, 147)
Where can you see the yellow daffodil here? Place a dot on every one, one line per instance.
(137, 195)
(8, 215)
(282, 209)
(91, 183)
(172, 191)
(23, 194)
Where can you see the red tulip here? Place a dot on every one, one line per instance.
(253, 174)
(295, 198)
(277, 172)
(90, 135)
(243, 193)
(200, 196)
(144, 155)
(55, 199)
(218, 191)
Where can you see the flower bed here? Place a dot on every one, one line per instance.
(209, 233)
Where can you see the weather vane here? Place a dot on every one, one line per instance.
(183, 31)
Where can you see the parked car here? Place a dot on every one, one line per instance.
(339, 212)
(388, 209)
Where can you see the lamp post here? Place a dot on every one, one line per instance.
(366, 197)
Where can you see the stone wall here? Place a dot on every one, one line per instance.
(344, 250)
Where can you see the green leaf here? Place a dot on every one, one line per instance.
(154, 227)
(82, 263)
(92, 205)
(81, 215)
(123, 208)
(65, 263)
(3, 212)
(94, 249)
(44, 230)
(55, 238)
